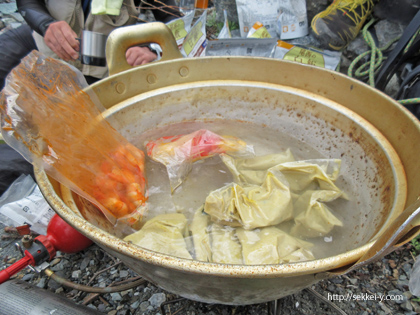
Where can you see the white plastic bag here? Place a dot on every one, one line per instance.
(23, 203)
(414, 283)
(225, 31)
(252, 11)
(293, 20)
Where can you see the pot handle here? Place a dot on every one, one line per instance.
(403, 229)
(125, 37)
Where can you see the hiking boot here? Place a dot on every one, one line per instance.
(340, 23)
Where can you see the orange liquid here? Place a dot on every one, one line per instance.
(201, 4)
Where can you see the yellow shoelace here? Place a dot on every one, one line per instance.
(348, 8)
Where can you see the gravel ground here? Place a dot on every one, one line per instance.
(93, 266)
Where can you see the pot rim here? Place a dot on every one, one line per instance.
(107, 240)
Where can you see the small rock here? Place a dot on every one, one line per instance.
(55, 262)
(337, 280)
(407, 306)
(416, 307)
(135, 305)
(116, 296)
(392, 264)
(402, 285)
(113, 312)
(398, 296)
(101, 308)
(408, 295)
(123, 273)
(84, 263)
(63, 264)
(28, 277)
(144, 305)
(407, 267)
(157, 299)
(41, 283)
(123, 293)
(59, 290)
(76, 274)
(353, 281)
(92, 306)
(11, 260)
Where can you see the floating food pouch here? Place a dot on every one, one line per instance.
(311, 174)
(313, 218)
(200, 235)
(271, 245)
(225, 246)
(253, 170)
(252, 206)
(55, 125)
(310, 56)
(180, 27)
(178, 153)
(164, 234)
(195, 42)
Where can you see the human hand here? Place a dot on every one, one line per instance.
(139, 56)
(61, 39)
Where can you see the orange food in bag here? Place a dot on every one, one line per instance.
(54, 124)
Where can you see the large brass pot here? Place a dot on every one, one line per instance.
(376, 138)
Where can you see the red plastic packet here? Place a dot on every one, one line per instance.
(178, 152)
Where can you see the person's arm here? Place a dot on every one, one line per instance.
(58, 35)
(35, 14)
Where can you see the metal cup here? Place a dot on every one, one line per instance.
(92, 48)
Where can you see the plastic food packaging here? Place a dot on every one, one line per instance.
(271, 189)
(195, 42)
(414, 283)
(292, 21)
(252, 11)
(255, 47)
(258, 31)
(225, 31)
(165, 234)
(320, 58)
(179, 152)
(181, 26)
(23, 203)
(55, 125)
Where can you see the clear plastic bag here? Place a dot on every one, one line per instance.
(55, 125)
(414, 283)
(23, 203)
(179, 152)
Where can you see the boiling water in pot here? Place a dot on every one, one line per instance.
(210, 174)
